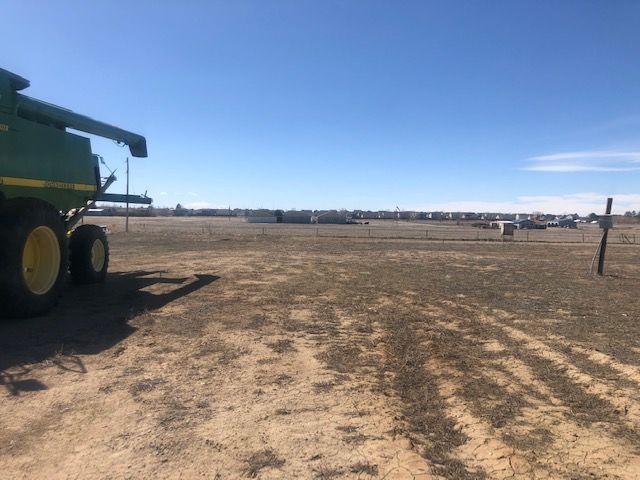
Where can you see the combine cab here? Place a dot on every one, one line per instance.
(48, 179)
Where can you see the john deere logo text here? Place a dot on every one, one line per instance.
(63, 185)
(4, 128)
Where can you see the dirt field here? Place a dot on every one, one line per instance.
(257, 356)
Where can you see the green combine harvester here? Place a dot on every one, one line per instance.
(49, 178)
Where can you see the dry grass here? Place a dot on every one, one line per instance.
(258, 461)
(282, 346)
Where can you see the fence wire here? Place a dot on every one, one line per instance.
(587, 235)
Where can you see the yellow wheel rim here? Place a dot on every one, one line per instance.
(41, 260)
(97, 255)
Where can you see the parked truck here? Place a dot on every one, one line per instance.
(49, 178)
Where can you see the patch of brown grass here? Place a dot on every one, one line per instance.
(260, 460)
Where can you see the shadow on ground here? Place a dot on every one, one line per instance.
(88, 320)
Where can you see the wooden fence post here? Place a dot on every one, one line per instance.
(603, 245)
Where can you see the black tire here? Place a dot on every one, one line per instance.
(19, 218)
(82, 266)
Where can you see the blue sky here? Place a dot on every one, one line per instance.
(468, 105)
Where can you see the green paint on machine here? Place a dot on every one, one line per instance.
(49, 179)
(40, 159)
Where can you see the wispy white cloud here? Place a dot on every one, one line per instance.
(582, 203)
(573, 167)
(586, 161)
(588, 154)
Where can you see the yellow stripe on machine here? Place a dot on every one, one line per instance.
(35, 183)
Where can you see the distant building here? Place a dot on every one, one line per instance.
(383, 214)
(567, 222)
(261, 216)
(524, 224)
(365, 214)
(528, 224)
(293, 216)
(407, 215)
(261, 219)
(330, 216)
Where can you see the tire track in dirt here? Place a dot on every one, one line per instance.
(621, 398)
(350, 346)
(625, 373)
(629, 372)
(551, 421)
(560, 445)
(584, 416)
(353, 435)
(424, 411)
(483, 451)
